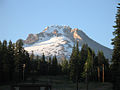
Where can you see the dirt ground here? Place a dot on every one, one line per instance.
(62, 83)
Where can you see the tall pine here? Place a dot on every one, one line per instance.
(1, 65)
(11, 59)
(75, 68)
(116, 52)
(19, 59)
(54, 66)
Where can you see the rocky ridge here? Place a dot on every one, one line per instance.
(59, 40)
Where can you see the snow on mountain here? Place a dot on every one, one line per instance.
(59, 40)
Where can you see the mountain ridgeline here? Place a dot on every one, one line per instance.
(59, 40)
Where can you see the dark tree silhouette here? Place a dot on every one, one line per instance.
(116, 52)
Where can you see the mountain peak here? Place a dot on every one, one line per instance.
(59, 40)
(31, 38)
(58, 28)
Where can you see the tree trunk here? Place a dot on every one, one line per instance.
(98, 69)
(103, 73)
(87, 81)
(77, 82)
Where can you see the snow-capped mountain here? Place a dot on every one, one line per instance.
(59, 40)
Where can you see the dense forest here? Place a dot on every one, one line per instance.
(15, 61)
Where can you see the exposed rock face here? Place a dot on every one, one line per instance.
(59, 40)
(32, 38)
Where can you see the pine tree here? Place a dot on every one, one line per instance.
(89, 62)
(49, 61)
(32, 62)
(84, 53)
(38, 64)
(43, 58)
(100, 59)
(1, 65)
(50, 66)
(65, 67)
(75, 64)
(83, 56)
(44, 67)
(102, 66)
(19, 60)
(54, 66)
(72, 65)
(88, 67)
(5, 57)
(27, 62)
(116, 52)
(11, 59)
(32, 56)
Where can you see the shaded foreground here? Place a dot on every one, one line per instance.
(62, 83)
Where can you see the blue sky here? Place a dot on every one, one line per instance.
(18, 18)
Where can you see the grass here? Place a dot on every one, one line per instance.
(62, 83)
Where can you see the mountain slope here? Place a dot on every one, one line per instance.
(59, 40)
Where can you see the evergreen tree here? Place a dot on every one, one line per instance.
(49, 66)
(75, 64)
(72, 65)
(100, 64)
(38, 64)
(116, 52)
(44, 67)
(83, 56)
(100, 60)
(5, 57)
(19, 60)
(43, 58)
(88, 67)
(32, 62)
(1, 65)
(26, 64)
(32, 56)
(49, 61)
(65, 67)
(84, 53)
(11, 59)
(54, 66)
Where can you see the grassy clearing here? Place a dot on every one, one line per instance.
(62, 83)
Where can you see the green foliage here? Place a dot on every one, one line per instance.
(12, 58)
(75, 64)
(43, 58)
(74, 68)
(32, 56)
(88, 67)
(49, 61)
(5, 58)
(65, 67)
(19, 61)
(83, 56)
(54, 66)
(84, 53)
(116, 53)
(85, 62)
(101, 58)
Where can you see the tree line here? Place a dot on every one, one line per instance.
(85, 63)
(12, 58)
(15, 61)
